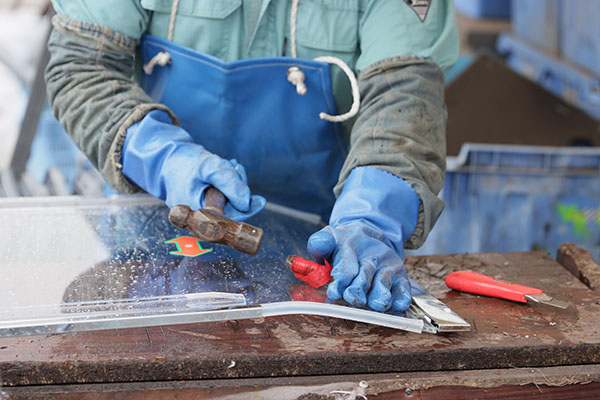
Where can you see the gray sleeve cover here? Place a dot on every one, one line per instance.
(400, 129)
(92, 92)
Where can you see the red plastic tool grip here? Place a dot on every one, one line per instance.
(473, 282)
(314, 274)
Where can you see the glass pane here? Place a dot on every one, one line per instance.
(72, 264)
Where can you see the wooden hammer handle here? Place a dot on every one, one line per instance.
(214, 200)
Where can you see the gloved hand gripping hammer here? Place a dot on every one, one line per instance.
(210, 225)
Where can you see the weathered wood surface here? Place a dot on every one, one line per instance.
(580, 263)
(572, 382)
(504, 335)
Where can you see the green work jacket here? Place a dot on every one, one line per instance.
(398, 55)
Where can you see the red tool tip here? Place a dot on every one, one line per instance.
(314, 274)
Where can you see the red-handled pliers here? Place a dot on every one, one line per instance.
(473, 282)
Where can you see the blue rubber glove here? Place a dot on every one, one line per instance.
(371, 219)
(162, 159)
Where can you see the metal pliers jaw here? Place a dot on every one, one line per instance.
(436, 316)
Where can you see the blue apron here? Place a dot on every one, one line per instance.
(248, 111)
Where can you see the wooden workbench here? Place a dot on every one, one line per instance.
(521, 350)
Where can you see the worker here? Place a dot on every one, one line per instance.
(172, 97)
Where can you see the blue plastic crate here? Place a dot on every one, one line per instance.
(555, 75)
(52, 147)
(459, 67)
(492, 9)
(538, 22)
(580, 41)
(518, 198)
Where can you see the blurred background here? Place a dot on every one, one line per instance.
(523, 165)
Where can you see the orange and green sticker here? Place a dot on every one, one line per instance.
(188, 246)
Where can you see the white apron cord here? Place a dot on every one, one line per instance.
(296, 76)
(163, 58)
(172, 20)
(293, 19)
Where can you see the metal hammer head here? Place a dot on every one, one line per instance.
(211, 226)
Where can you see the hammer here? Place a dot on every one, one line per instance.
(210, 225)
